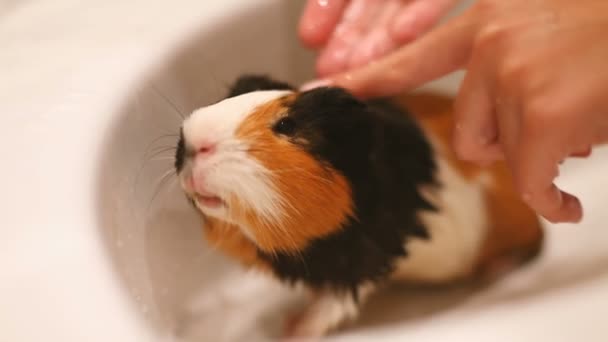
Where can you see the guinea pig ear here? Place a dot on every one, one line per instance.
(327, 99)
(249, 83)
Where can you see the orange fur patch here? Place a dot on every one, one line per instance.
(317, 200)
(515, 230)
(229, 239)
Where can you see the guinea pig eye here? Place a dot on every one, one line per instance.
(285, 126)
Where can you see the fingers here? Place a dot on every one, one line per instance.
(353, 33)
(534, 170)
(378, 40)
(357, 19)
(417, 18)
(319, 20)
(441, 52)
(476, 132)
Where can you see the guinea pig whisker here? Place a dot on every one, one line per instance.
(154, 157)
(151, 144)
(165, 176)
(151, 152)
(161, 158)
(171, 103)
(161, 183)
(148, 157)
(164, 136)
(160, 150)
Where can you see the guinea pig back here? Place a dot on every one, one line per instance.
(514, 232)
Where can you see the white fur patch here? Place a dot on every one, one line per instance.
(230, 171)
(218, 122)
(329, 311)
(457, 231)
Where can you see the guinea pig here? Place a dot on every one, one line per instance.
(343, 195)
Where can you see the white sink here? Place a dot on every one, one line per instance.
(95, 247)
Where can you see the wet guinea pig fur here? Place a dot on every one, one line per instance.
(343, 195)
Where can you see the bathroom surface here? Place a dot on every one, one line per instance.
(99, 244)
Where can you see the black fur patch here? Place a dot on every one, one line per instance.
(385, 157)
(180, 152)
(249, 83)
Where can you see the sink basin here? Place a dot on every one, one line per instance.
(98, 243)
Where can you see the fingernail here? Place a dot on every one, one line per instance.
(315, 84)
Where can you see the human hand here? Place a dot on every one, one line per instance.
(534, 93)
(353, 33)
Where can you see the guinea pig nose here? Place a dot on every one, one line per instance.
(206, 148)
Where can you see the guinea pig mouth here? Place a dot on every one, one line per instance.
(209, 200)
